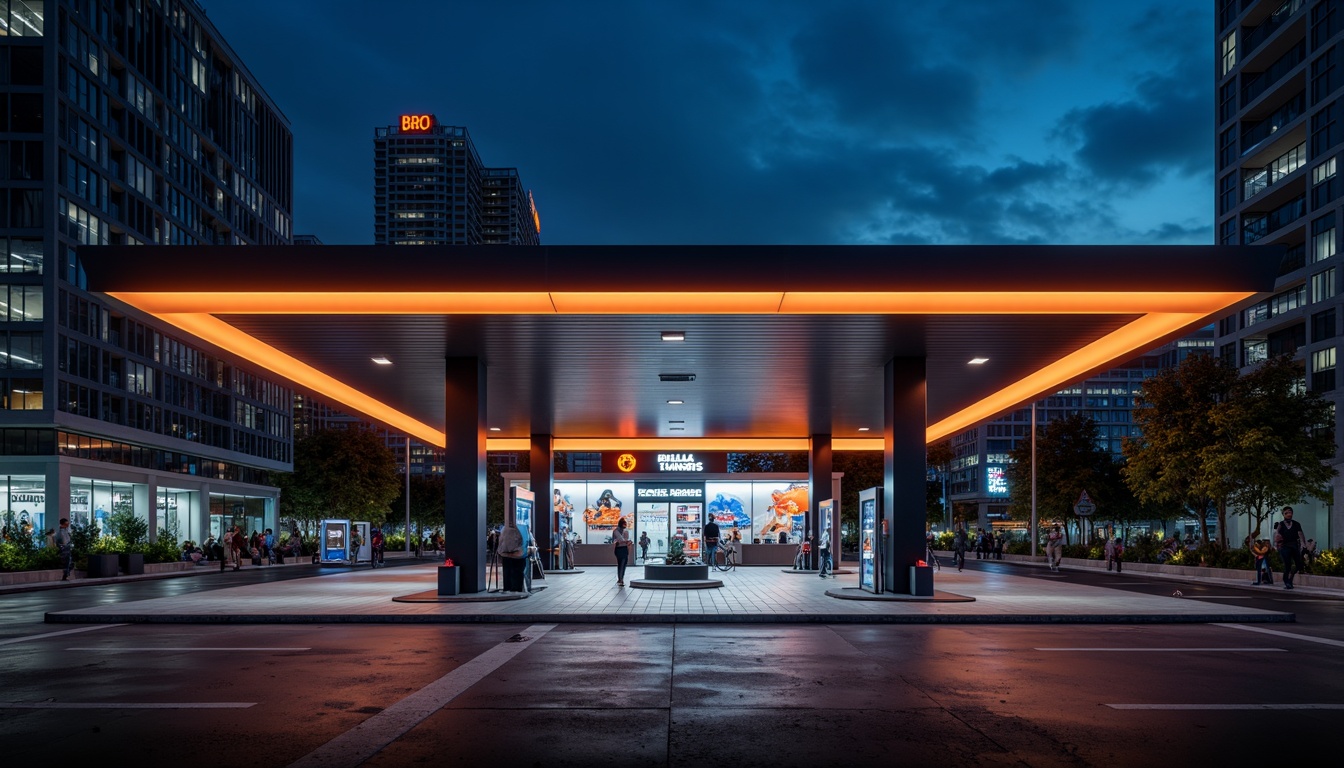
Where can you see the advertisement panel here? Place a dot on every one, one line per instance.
(604, 508)
(869, 544)
(335, 539)
(730, 504)
(567, 498)
(523, 500)
(779, 512)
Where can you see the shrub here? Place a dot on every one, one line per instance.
(164, 549)
(1329, 562)
(131, 530)
(12, 557)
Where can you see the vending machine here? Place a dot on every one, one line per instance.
(870, 540)
(335, 541)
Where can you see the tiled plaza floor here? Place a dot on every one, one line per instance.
(759, 594)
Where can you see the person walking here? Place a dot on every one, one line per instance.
(1117, 553)
(65, 546)
(1054, 546)
(959, 545)
(621, 541)
(268, 547)
(644, 545)
(1290, 538)
(824, 553)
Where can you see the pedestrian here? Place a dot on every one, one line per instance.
(237, 544)
(644, 545)
(1290, 538)
(621, 540)
(710, 535)
(1309, 554)
(65, 546)
(1118, 552)
(1054, 547)
(377, 542)
(960, 543)
(824, 552)
(509, 547)
(1263, 573)
(356, 543)
(268, 547)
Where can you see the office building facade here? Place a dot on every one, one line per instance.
(1280, 136)
(131, 123)
(430, 188)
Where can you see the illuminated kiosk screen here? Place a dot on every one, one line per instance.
(522, 514)
(868, 544)
(335, 535)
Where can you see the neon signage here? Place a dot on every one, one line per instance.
(412, 123)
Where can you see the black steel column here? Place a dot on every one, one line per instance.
(464, 469)
(543, 480)
(819, 471)
(903, 430)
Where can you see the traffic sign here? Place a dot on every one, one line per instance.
(1085, 506)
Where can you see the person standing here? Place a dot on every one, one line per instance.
(621, 541)
(1110, 552)
(824, 552)
(509, 547)
(1118, 553)
(960, 543)
(237, 543)
(644, 545)
(710, 534)
(268, 547)
(1290, 538)
(65, 546)
(1260, 550)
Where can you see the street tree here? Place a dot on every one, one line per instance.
(1069, 461)
(340, 473)
(428, 502)
(938, 459)
(1274, 439)
(1166, 468)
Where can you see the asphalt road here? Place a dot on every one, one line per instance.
(656, 695)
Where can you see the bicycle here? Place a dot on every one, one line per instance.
(931, 558)
(725, 559)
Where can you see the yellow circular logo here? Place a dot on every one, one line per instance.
(625, 462)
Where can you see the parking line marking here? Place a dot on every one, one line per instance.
(1280, 633)
(126, 705)
(371, 736)
(1219, 707)
(175, 650)
(1171, 650)
(57, 634)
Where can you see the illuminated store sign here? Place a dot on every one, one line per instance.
(652, 462)
(414, 123)
(996, 480)
(669, 492)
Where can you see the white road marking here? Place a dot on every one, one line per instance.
(1171, 650)
(369, 737)
(57, 634)
(126, 705)
(1221, 707)
(176, 650)
(1279, 633)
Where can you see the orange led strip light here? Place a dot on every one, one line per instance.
(1163, 314)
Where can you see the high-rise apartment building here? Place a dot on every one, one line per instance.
(430, 188)
(130, 123)
(1280, 137)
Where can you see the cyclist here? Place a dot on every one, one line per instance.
(376, 541)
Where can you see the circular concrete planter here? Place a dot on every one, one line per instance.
(676, 572)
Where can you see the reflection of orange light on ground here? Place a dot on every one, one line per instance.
(1164, 315)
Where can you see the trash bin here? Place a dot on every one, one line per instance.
(921, 580)
(449, 580)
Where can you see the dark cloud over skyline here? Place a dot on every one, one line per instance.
(765, 122)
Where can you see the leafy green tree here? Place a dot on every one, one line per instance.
(1070, 462)
(1276, 437)
(340, 473)
(862, 470)
(757, 461)
(1166, 467)
(938, 458)
(428, 501)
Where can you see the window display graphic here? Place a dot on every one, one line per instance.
(602, 515)
(651, 519)
(784, 514)
(868, 541)
(729, 512)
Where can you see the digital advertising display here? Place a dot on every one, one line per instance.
(607, 504)
(780, 513)
(335, 538)
(868, 540)
(523, 501)
(996, 480)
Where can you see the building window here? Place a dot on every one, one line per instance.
(1322, 285)
(1323, 325)
(1323, 369)
(1229, 52)
(1323, 238)
(1254, 351)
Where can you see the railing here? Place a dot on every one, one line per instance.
(1256, 227)
(1258, 83)
(1255, 37)
(1253, 137)
(1276, 171)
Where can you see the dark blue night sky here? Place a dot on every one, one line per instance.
(765, 121)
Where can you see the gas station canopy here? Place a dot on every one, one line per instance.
(739, 347)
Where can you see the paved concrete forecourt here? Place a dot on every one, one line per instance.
(749, 595)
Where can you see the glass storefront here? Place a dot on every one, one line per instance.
(179, 513)
(27, 496)
(100, 499)
(228, 510)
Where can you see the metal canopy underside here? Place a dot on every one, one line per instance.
(758, 375)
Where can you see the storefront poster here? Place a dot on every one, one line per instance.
(780, 513)
(605, 508)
